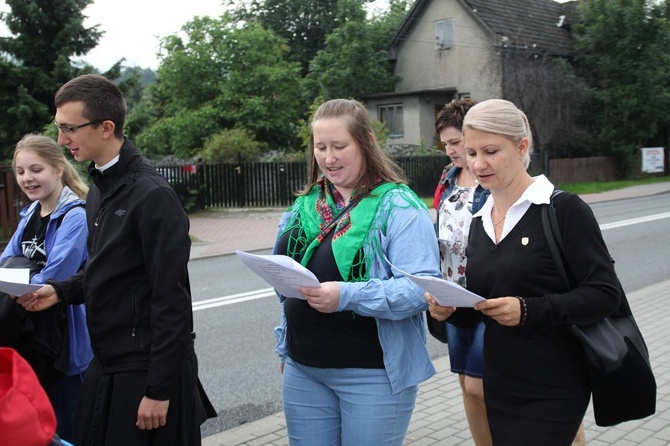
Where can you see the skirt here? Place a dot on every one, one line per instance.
(108, 404)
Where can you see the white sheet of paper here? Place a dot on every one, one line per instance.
(282, 272)
(446, 293)
(16, 275)
(16, 281)
(18, 289)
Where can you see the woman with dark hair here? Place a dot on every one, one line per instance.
(458, 195)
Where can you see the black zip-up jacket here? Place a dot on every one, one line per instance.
(135, 284)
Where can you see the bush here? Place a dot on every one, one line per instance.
(225, 146)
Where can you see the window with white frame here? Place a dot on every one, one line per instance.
(444, 34)
(391, 116)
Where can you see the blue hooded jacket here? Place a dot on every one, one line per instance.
(66, 254)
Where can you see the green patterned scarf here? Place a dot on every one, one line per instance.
(317, 209)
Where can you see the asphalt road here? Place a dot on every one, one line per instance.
(235, 312)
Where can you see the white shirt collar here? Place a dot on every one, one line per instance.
(109, 164)
(539, 192)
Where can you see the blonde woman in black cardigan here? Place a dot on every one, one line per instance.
(536, 385)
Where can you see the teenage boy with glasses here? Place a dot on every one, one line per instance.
(142, 386)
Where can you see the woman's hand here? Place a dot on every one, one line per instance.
(504, 310)
(325, 299)
(437, 311)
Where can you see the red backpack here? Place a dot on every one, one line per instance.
(26, 415)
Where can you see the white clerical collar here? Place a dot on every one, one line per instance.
(108, 165)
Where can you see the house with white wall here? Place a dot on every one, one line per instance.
(451, 49)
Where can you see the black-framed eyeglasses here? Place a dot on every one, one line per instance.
(71, 129)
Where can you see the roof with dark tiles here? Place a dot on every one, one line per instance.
(540, 24)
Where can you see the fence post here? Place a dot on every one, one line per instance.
(240, 182)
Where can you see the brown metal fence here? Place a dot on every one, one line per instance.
(580, 170)
(271, 184)
(12, 200)
(205, 186)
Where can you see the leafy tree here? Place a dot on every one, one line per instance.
(304, 24)
(622, 49)
(224, 74)
(134, 81)
(354, 60)
(36, 60)
(546, 88)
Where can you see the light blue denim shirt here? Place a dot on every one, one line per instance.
(407, 239)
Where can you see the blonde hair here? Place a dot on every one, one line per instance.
(49, 150)
(377, 163)
(503, 118)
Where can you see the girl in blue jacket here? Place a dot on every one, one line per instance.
(52, 233)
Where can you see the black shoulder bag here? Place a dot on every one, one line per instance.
(622, 382)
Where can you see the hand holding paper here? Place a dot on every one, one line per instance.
(282, 273)
(446, 293)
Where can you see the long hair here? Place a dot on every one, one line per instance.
(377, 163)
(47, 149)
(503, 118)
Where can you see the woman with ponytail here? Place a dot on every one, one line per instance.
(52, 233)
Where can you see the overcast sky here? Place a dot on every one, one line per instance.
(133, 28)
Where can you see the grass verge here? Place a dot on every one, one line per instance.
(593, 187)
(596, 187)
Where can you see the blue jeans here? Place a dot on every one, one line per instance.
(344, 407)
(466, 349)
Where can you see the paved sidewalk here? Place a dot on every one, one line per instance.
(439, 418)
(628, 192)
(221, 232)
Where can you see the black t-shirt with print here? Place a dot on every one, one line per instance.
(32, 242)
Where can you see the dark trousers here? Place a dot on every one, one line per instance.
(63, 396)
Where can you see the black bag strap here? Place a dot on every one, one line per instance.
(555, 243)
(553, 236)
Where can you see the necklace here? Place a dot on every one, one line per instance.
(496, 223)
